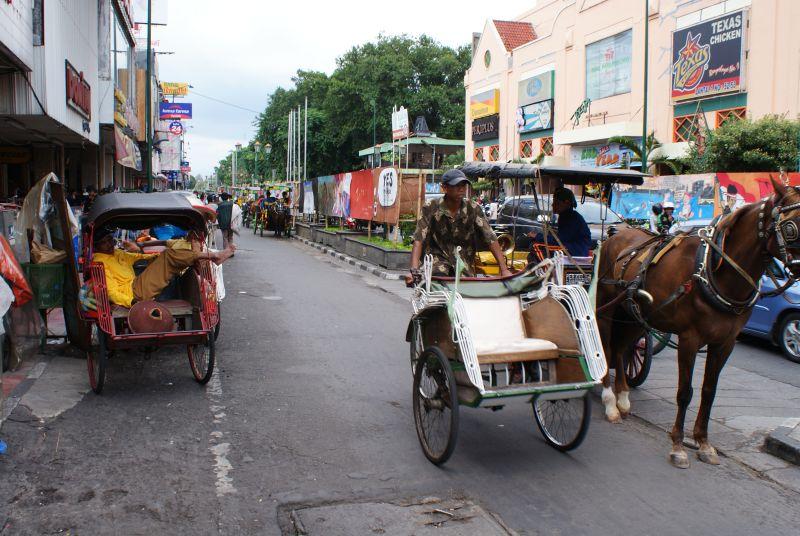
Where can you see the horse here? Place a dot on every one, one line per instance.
(703, 288)
(279, 219)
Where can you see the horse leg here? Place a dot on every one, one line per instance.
(609, 400)
(687, 353)
(715, 359)
(625, 342)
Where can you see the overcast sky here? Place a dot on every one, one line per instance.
(239, 51)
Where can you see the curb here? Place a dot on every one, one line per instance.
(784, 442)
(367, 267)
(37, 369)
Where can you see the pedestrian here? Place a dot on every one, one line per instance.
(656, 209)
(224, 219)
(666, 220)
(91, 194)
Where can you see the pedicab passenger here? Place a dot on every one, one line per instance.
(125, 287)
(571, 229)
(449, 222)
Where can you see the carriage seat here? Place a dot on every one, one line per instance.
(498, 332)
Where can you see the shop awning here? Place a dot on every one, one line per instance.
(671, 151)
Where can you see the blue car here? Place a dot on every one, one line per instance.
(778, 319)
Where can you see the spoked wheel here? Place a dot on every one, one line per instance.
(219, 322)
(435, 406)
(97, 362)
(416, 344)
(637, 361)
(563, 422)
(202, 358)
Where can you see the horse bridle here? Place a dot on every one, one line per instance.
(786, 231)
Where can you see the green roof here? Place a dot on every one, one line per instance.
(414, 140)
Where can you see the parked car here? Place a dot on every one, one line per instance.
(523, 211)
(777, 319)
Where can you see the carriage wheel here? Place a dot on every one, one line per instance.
(415, 344)
(637, 361)
(201, 359)
(219, 322)
(435, 406)
(563, 422)
(97, 362)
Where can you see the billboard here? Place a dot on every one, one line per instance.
(174, 110)
(608, 66)
(693, 195)
(175, 88)
(362, 195)
(535, 88)
(400, 128)
(707, 58)
(484, 104)
(610, 155)
(486, 128)
(535, 117)
(385, 207)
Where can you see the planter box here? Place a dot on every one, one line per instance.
(327, 238)
(304, 230)
(387, 258)
(341, 236)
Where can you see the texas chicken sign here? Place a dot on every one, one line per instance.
(707, 58)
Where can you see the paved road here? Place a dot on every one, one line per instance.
(311, 404)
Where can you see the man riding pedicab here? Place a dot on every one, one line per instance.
(570, 227)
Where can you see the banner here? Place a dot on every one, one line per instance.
(610, 155)
(536, 88)
(171, 153)
(326, 186)
(308, 197)
(486, 128)
(535, 117)
(174, 110)
(707, 58)
(693, 196)
(362, 195)
(608, 66)
(126, 150)
(483, 104)
(386, 184)
(738, 189)
(341, 206)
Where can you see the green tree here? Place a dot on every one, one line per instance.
(651, 144)
(769, 144)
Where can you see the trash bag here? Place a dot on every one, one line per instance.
(11, 270)
(41, 254)
(37, 210)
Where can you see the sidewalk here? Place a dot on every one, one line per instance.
(747, 408)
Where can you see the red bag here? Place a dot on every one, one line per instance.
(12, 271)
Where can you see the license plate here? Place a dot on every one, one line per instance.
(577, 279)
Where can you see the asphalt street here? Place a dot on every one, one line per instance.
(311, 405)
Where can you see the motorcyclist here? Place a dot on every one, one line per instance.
(666, 220)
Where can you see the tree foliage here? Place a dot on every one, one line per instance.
(416, 72)
(769, 144)
(653, 163)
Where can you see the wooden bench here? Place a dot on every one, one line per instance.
(178, 308)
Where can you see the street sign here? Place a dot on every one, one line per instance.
(175, 110)
(399, 124)
(176, 127)
(186, 169)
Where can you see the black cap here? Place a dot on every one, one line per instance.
(565, 194)
(101, 233)
(453, 177)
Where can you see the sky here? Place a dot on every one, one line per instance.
(240, 51)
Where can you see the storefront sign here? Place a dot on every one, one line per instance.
(537, 88)
(484, 104)
(707, 58)
(605, 156)
(535, 117)
(185, 167)
(486, 128)
(174, 110)
(171, 153)
(175, 88)
(176, 128)
(79, 92)
(400, 128)
(14, 155)
(608, 66)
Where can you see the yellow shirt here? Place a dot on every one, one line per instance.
(119, 274)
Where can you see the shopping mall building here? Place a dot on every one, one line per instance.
(567, 75)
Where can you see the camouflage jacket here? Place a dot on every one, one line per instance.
(440, 233)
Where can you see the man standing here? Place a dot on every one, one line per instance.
(224, 219)
(450, 222)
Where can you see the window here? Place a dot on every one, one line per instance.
(477, 155)
(685, 128)
(608, 66)
(494, 153)
(731, 114)
(546, 146)
(121, 57)
(526, 148)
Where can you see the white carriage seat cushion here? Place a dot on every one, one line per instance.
(499, 334)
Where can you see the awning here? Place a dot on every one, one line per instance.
(597, 134)
(671, 151)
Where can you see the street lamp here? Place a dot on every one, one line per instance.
(267, 149)
(257, 146)
(235, 165)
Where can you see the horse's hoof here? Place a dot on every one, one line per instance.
(708, 456)
(613, 416)
(679, 459)
(624, 414)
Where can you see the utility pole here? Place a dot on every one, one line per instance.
(305, 144)
(646, 64)
(148, 90)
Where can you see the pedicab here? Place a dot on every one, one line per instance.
(573, 270)
(190, 298)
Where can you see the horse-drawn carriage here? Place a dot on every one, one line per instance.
(272, 216)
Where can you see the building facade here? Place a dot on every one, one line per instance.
(569, 74)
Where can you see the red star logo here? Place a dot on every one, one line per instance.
(692, 45)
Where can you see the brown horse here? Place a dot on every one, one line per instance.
(704, 298)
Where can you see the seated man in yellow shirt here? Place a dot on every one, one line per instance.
(125, 287)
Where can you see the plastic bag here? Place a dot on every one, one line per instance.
(220, 283)
(41, 254)
(6, 299)
(236, 217)
(12, 272)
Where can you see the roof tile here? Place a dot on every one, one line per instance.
(514, 33)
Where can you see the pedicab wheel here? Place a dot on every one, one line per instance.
(563, 422)
(219, 322)
(97, 362)
(415, 344)
(202, 358)
(637, 361)
(435, 405)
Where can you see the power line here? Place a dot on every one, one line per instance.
(224, 102)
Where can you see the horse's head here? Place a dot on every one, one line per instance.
(784, 244)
